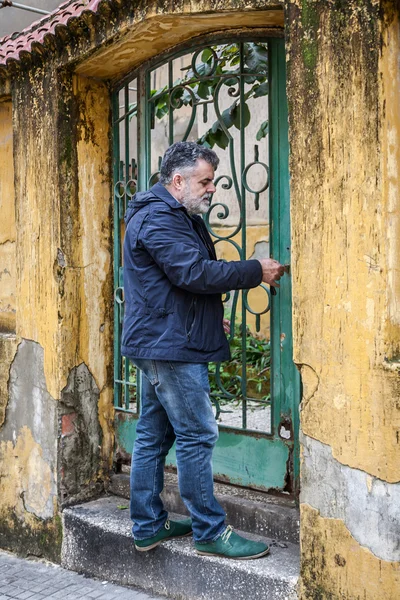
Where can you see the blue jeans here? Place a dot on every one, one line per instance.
(175, 406)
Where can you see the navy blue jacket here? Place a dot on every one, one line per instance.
(173, 283)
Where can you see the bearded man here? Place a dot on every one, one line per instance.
(173, 327)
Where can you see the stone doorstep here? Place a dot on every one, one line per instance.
(256, 512)
(97, 542)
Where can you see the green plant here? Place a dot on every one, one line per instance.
(218, 65)
(229, 375)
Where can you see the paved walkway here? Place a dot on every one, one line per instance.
(37, 580)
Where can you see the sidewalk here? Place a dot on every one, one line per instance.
(37, 580)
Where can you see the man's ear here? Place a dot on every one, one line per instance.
(178, 181)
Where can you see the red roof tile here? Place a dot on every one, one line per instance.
(11, 46)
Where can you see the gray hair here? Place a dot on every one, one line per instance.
(183, 156)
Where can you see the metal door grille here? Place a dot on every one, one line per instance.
(226, 94)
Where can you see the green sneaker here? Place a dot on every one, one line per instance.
(171, 529)
(232, 545)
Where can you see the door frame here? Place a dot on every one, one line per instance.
(286, 445)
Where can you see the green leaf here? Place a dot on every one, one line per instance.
(203, 69)
(187, 97)
(203, 90)
(161, 111)
(227, 116)
(215, 127)
(206, 55)
(122, 507)
(211, 139)
(246, 115)
(249, 79)
(236, 115)
(231, 81)
(262, 90)
(256, 57)
(221, 139)
(263, 131)
(208, 139)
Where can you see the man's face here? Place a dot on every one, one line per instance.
(197, 188)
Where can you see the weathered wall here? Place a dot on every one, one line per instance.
(86, 302)
(7, 222)
(30, 373)
(28, 456)
(56, 379)
(35, 105)
(343, 90)
(344, 128)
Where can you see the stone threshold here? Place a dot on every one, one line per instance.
(97, 541)
(273, 516)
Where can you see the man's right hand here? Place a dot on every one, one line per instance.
(272, 271)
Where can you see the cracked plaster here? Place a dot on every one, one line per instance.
(28, 437)
(368, 506)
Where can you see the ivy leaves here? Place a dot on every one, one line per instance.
(231, 116)
(223, 65)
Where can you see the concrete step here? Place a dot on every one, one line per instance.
(276, 517)
(97, 541)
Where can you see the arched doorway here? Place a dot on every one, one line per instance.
(227, 92)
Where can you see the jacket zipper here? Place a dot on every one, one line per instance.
(192, 306)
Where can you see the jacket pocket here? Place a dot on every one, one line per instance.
(190, 319)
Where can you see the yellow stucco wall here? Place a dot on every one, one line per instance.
(345, 190)
(345, 130)
(345, 230)
(7, 221)
(63, 290)
(94, 291)
(339, 567)
(26, 475)
(37, 211)
(162, 29)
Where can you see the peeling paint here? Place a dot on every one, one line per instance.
(368, 506)
(343, 90)
(334, 565)
(79, 451)
(28, 438)
(342, 320)
(8, 348)
(28, 492)
(152, 33)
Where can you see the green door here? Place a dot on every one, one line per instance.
(228, 94)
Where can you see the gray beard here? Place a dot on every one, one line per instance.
(196, 206)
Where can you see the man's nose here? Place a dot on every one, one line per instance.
(211, 188)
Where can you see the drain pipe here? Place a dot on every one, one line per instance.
(40, 11)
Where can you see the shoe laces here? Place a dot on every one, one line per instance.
(167, 525)
(227, 534)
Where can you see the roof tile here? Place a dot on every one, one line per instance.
(11, 46)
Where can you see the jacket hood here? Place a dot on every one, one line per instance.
(155, 194)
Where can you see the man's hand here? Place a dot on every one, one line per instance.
(272, 271)
(227, 325)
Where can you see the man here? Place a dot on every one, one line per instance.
(173, 326)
